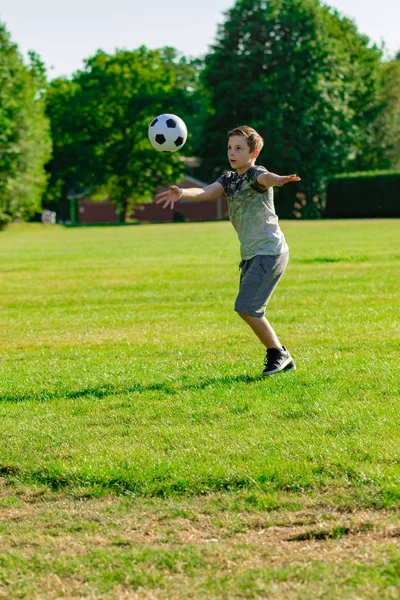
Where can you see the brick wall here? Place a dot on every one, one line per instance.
(208, 210)
(96, 212)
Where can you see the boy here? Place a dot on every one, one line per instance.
(263, 247)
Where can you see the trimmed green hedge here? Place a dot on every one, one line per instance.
(364, 195)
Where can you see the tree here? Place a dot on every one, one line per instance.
(361, 64)
(25, 143)
(282, 67)
(384, 151)
(100, 119)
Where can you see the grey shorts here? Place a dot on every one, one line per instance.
(258, 279)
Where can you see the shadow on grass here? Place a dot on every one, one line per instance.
(322, 534)
(100, 392)
(162, 486)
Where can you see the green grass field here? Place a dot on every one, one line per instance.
(142, 455)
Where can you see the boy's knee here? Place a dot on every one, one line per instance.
(242, 315)
(245, 316)
(250, 318)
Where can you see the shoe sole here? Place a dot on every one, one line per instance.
(289, 366)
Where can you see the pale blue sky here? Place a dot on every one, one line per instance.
(64, 32)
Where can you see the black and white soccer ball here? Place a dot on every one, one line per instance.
(167, 133)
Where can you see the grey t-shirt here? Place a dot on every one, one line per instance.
(252, 213)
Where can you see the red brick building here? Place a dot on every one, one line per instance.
(90, 211)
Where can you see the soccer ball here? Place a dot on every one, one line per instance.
(167, 133)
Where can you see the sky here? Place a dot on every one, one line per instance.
(65, 32)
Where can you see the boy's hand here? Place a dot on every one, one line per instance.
(170, 196)
(282, 179)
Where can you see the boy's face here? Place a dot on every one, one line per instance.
(239, 154)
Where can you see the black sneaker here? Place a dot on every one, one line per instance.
(278, 360)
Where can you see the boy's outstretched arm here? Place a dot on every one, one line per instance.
(270, 179)
(175, 193)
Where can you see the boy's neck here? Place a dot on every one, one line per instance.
(243, 170)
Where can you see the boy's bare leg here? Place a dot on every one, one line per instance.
(263, 331)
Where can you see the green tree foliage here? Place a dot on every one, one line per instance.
(384, 151)
(100, 118)
(303, 77)
(366, 90)
(25, 143)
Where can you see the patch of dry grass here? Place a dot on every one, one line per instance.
(55, 546)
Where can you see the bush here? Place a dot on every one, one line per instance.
(364, 195)
(4, 220)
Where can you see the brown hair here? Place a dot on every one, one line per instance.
(254, 139)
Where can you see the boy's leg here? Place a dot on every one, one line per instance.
(263, 330)
(278, 357)
(258, 280)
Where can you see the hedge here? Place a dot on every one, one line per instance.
(363, 195)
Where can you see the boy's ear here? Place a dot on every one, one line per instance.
(256, 153)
